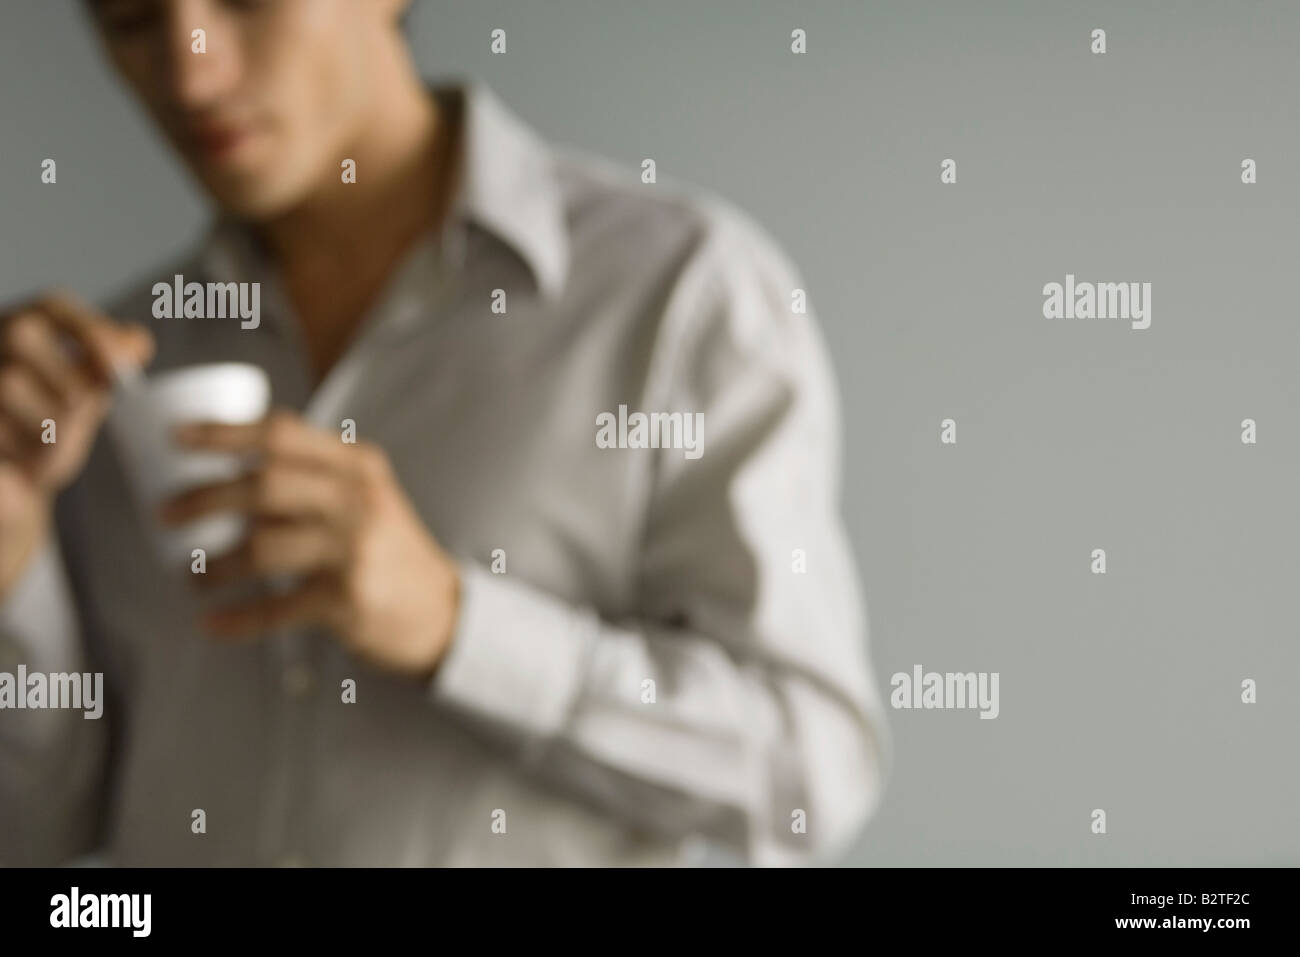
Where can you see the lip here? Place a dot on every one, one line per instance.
(219, 142)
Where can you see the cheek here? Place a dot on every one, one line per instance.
(341, 87)
(322, 88)
(316, 132)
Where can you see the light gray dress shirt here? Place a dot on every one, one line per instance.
(673, 656)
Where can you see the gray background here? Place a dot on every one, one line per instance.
(1118, 691)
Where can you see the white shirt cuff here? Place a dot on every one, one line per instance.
(518, 655)
(37, 619)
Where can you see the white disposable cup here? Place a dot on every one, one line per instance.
(145, 413)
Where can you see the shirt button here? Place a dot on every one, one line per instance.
(297, 680)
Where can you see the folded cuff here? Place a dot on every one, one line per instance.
(38, 622)
(518, 654)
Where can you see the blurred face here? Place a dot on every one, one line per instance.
(267, 112)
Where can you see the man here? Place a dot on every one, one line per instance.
(559, 652)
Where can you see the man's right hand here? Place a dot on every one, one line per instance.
(56, 359)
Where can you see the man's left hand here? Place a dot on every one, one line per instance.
(333, 515)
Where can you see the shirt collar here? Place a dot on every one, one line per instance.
(508, 187)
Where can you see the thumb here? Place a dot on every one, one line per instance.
(132, 344)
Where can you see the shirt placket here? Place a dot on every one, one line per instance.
(293, 685)
(297, 655)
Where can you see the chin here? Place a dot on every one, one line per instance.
(252, 197)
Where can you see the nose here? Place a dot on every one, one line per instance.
(201, 61)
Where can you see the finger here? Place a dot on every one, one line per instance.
(25, 402)
(314, 602)
(105, 343)
(30, 339)
(279, 548)
(16, 444)
(278, 490)
(282, 434)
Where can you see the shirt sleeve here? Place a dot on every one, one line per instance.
(738, 705)
(50, 759)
